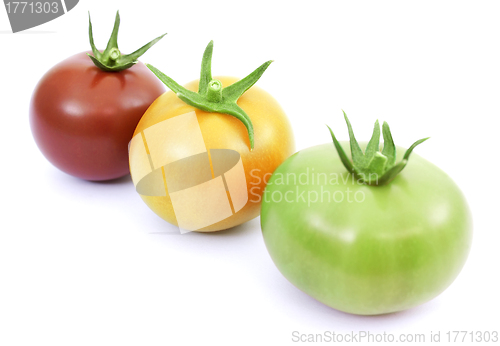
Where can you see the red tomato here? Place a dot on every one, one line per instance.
(83, 118)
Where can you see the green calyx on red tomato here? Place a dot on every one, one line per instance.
(84, 111)
(111, 59)
(373, 167)
(211, 96)
(363, 248)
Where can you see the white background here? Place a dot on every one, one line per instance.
(86, 263)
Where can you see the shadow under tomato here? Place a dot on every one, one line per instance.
(230, 232)
(118, 181)
(305, 306)
(73, 187)
(235, 231)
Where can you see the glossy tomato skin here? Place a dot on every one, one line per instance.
(83, 118)
(274, 142)
(386, 249)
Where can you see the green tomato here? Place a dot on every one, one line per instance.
(365, 249)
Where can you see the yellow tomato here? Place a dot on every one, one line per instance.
(273, 144)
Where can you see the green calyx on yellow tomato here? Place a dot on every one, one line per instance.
(111, 59)
(211, 96)
(373, 167)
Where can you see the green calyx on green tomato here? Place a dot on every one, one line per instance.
(365, 246)
(374, 166)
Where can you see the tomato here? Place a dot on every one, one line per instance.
(359, 248)
(82, 117)
(273, 140)
(273, 144)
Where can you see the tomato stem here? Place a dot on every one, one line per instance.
(114, 54)
(211, 96)
(214, 91)
(111, 59)
(373, 167)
